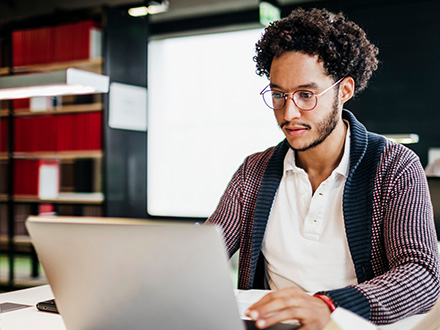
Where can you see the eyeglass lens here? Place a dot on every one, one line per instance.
(305, 100)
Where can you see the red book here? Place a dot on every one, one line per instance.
(49, 40)
(17, 48)
(3, 135)
(33, 186)
(18, 134)
(83, 30)
(81, 131)
(65, 132)
(18, 167)
(41, 133)
(97, 130)
(38, 44)
(21, 103)
(25, 177)
(26, 42)
(34, 45)
(31, 137)
(58, 123)
(62, 43)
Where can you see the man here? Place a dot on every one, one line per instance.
(333, 209)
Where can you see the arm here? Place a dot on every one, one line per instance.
(227, 213)
(405, 261)
(235, 211)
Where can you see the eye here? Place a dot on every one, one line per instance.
(277, 95)
(304, 95)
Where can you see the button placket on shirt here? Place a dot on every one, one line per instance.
(313, 225)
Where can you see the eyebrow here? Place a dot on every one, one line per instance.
(311, 85)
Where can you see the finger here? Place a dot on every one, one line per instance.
(266, 299)
(274, 306)
(293, 291)
(287, 314)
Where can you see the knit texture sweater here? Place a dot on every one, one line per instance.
(388, 221)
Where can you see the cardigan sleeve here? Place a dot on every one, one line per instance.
(405, 258)
(227, 213)
(236, 209)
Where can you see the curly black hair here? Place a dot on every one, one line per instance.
(340, 44)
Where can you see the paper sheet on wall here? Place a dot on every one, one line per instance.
(128, 107)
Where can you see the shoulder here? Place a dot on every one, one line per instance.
(398, 157)
(259, 159)
(400, 168)
(255, 165)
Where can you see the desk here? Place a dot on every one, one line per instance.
(31, 318)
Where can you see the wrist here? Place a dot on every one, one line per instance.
(328, 301)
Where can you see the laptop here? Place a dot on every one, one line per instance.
(109, 273)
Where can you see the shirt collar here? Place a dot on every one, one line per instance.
(343, 167)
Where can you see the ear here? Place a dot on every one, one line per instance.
(346, 89)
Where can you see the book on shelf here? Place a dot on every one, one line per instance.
(3, 219)
(3, 177)
(66, 42)
(48, 179)
(3, 134)
(44, 103)
(36, 178)
(46, 209)
(63, 132)
(83, 175)
(21, 212)
(21, 103)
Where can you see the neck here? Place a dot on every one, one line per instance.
(320, 161)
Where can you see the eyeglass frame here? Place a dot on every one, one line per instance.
(286, 95)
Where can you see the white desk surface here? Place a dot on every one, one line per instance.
(31, 318)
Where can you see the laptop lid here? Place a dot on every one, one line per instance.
(136, 274)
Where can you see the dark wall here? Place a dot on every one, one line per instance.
(403, 95)
(125, 151)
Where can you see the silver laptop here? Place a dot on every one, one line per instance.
(127, 274)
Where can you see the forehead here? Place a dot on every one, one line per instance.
(292, 69)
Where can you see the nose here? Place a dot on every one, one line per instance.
(290, 110)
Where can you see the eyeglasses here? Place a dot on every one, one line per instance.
(303, 99)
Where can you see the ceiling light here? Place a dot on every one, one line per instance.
(138, 11)
(153, 7)
(403, 138)
(64, 82)
(269, 12)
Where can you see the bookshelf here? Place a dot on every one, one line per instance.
(118, 166)
(92, 65)
(64, 132)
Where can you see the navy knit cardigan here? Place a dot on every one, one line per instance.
(388, 222)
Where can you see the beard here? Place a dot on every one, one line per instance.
(324, 128)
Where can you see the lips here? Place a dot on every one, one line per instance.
(295, 130)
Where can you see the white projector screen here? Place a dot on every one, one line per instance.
(205, 115)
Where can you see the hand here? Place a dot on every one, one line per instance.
(290, 304)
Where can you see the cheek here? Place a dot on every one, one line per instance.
(279, 116)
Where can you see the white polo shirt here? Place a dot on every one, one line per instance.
(305, 242)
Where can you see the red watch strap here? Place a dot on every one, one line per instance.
(331, 305)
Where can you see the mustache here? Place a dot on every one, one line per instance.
(286, 123)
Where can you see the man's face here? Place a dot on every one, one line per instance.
(304, 130)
